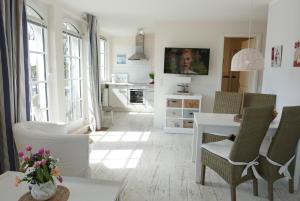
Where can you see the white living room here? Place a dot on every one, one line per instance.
(138, 100)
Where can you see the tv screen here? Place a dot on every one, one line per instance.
(189, 61)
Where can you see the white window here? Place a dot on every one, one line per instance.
(37, 37)
(72, 72)
(103, 56)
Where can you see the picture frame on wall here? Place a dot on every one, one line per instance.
(297, 55)
(276, 58)
(121, 59)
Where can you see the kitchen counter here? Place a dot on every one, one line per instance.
(121, 96)
(129, 84)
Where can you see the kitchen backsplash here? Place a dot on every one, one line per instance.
(136, 74)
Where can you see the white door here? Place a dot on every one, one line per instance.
(248, 79)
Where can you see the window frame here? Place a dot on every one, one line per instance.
(103, 77)
(40, 22)
(70, 80)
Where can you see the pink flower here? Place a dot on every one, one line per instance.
(43, 162)
(28, 147)
(26, 158)
(21, 154)
(41, 151)
(37, 164)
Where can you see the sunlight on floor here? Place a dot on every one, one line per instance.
(121, 136)
(116, 159)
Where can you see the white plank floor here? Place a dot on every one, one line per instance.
(157, 167)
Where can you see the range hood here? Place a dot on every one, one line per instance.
(139, 47)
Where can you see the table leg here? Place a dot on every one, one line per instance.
(195, 128)
(297, 169)
(198, 154)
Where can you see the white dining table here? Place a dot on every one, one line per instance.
(224, 124)
(80, 188)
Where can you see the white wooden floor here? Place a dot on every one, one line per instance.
(157, 167)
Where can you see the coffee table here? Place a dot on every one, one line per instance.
(80, 188)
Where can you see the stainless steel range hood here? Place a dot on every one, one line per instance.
(139, 47)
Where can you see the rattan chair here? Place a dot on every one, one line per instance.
(225, 103)
(279, 161)
(235, 161)
(257, 99)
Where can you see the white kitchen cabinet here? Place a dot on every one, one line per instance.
(118, 97)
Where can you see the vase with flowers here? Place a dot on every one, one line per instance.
(40, 170)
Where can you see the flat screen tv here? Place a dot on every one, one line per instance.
(189, 61)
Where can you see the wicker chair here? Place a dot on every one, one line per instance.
(233, 161)
(256, 99)
(225, 103)
(228, 102)
(288, 133)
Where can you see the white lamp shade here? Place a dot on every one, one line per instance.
(248, 59)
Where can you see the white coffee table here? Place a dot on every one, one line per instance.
(80, 188)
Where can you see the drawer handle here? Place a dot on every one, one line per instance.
(174, 101)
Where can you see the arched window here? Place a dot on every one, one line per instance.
(72, 71)
(37, 34)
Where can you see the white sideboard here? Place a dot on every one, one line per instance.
(179, 115)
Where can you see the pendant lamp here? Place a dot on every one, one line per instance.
(248, 59)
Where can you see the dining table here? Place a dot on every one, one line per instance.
(226, 125)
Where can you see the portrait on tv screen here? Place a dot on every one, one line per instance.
(189, 61)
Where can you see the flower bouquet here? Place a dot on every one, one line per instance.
(40, 171)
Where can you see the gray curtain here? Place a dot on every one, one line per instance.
(94, 74)
(14, 77)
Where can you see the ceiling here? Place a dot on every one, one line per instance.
(123, 16)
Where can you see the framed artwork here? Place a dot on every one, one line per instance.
(121, 59)
(276, 56)
(297, 54)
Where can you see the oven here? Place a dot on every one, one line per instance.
(136, 96)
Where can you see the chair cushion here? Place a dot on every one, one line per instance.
(220, 148)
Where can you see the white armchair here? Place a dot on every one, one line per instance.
(71, 149)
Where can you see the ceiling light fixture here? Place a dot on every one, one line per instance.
(248, 59)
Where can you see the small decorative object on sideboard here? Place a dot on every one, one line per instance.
(151, 76)
(183, 89)
(40, 169)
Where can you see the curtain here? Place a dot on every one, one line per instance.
(14, 77)
(94, 74)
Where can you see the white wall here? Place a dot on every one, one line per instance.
(198, 35)
(138, 70)
(283, 29)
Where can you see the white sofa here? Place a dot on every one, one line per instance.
(71, 149)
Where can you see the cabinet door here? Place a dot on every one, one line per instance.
(118, 96)
(191, 103)
(174, 113)
(188, 123)
(189, 114)
(174, 103)
(174, 123)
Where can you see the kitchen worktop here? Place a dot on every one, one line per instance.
(129, 84)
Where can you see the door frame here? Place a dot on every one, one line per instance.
(258, 40)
